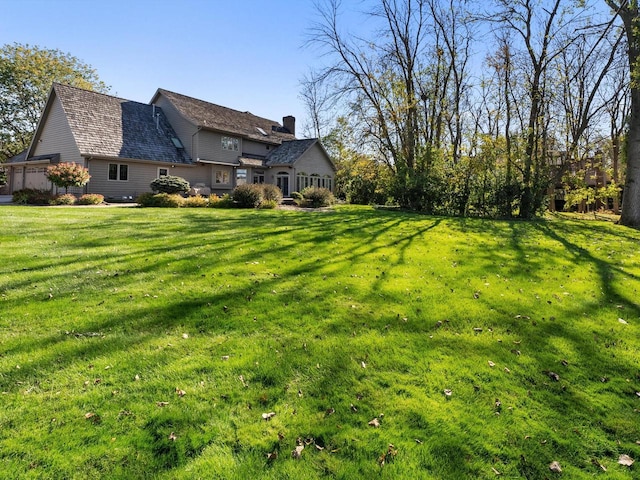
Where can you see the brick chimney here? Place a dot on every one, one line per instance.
(289, 123)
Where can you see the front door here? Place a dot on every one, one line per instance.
(282, 182)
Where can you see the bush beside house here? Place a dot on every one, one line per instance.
(170, 184)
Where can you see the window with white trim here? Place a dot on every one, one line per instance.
(258, 177)
(230, 143)
(241, 176)
(119, 172)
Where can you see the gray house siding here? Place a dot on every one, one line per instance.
(314, 161)
(256, 148)
(183, 128)
(210, 147)
(139, 177)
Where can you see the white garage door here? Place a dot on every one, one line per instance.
(34, 178)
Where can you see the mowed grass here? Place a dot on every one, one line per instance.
(148, 343)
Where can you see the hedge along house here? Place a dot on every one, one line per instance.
(126, 145)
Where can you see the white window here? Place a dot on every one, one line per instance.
(230, 143)
(119, 172)
(241, 176)
(222, 177)
(163, 172)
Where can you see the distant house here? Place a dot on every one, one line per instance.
(126, 145)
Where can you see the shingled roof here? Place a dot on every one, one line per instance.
(289, 152)
(107, 126)
(215, 117)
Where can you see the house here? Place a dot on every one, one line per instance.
(126, 145)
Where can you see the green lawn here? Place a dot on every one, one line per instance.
(148, 343)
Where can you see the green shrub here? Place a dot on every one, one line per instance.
(315, 197)
(170, 184)
(64, 199)
(90, 199)
(271, 192)
(297, 196)
(225, 201)
(160, 200)
(32, 196)
(197, 201)
(248, 195)
(268, 204)
(145, 199)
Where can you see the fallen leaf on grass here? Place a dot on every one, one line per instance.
(555, 467)
(448, 392)
(354, 409)
(374, 423)
(491, 364)
(554, 376)
(172, 437)
(267, 416)
(495, 471)
(598, 464)
(388, 455)
(180, 393)
(626, 460)
(622, 321)
(330, 411)
(272, 456)
(94, 417)
(297, 452)
(162, 404)
(363, 365)
(244, 384)
(185, 335)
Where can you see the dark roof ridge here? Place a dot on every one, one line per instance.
(64, 85)
(164, 90)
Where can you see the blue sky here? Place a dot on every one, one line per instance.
(244, 54)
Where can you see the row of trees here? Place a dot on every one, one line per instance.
(476, 107)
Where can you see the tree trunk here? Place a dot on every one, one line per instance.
(630, 215)
(627, 11)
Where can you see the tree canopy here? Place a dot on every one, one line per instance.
(26, 75)
(478, 108)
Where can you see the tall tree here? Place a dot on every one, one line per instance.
(379, 79)
(522, 17)
(26, 76)
(628, 13)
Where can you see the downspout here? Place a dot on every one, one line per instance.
(193, 149)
